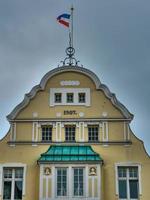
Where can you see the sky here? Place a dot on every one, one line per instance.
(111, 38)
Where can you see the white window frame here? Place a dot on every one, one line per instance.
(56, 98)
(13, 165)
(61, 167)
(94, 126)
(128, 165)
(81, 101)
(70, 182)
(78, 196)
(68, 99)
(71, 136)
(75, 92)
(50, 133)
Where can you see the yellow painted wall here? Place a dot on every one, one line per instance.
(111, 154)
(40, 103)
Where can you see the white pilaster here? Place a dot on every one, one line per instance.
(126, 131)
(105, 131)
(13, 132)
(58, 132)
(35, 130)
(81, 131)
(41, 182)
(1, 179)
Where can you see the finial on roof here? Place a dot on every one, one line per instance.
(70, 59)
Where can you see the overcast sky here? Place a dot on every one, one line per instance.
(111, 37)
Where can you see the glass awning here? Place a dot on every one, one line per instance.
(71, 154)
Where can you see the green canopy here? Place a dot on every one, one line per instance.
(69, 154)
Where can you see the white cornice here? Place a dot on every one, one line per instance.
(50, 74)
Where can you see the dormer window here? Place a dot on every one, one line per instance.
(57, 97)
(81, 97)
(70, 97)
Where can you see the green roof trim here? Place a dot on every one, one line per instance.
(69, 154)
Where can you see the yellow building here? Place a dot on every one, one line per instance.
(70, 139)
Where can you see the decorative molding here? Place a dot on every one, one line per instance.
(87, 72)
(75, 143)
(70, 83)
(72, 120)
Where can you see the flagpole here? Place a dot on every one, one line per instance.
(72, 9)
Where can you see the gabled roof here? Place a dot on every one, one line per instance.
(87, 72)
(69, 154)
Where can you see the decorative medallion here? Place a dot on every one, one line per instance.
(104, 114)
(92, 171)
(58, 114)
(35, 114)
(47, 171)
(81, 114)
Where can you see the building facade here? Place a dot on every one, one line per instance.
(70, 139)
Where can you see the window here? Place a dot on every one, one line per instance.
(46, 133)
(78, 182)
(128, 183)
(70, 133)
(69, 97)
(93, 132)
(81, 97)
(12, 183)
(61, 182)
(57, 97)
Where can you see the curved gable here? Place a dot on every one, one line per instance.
(87, 72)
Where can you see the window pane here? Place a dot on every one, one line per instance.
(70, 133)
(62, 182)
(18, 190)
(78, 182)
(69, 97)
(81, 97)
(19, 173)
(46, 133)
(57, 97)
(7, 190)
(133, 189)
(122, 189)
(93, 133)
(122, 171)
(7, 173)
(133, 172)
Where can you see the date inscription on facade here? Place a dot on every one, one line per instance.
(70, 112)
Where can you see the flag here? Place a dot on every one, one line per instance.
(64, 19)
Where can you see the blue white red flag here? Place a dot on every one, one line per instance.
(64, 19)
